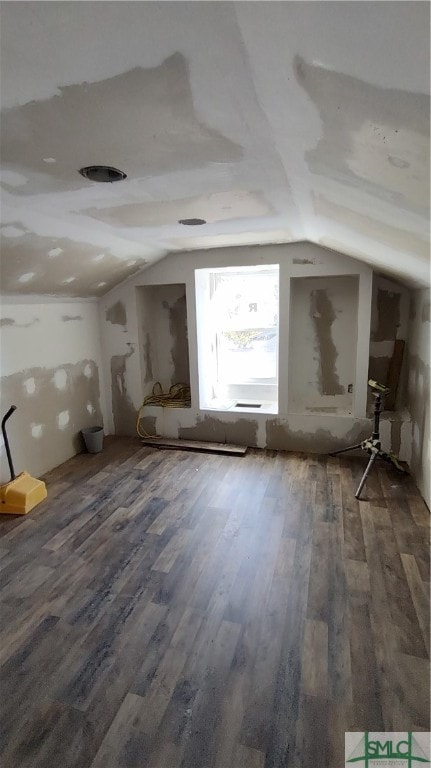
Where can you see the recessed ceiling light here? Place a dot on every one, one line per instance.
(192, 222)
(102, 173)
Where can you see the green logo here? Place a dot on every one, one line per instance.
(388, 747)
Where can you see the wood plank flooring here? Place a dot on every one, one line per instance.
(165, 609)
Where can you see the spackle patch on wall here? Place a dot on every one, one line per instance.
(30, 385)
(27, 267)
(9, 321)
(60, 378)
(323, 316)
(279, 437)
(123, 410)
(149, 376)
(51, 415)
(179, 335)
(36, 431)
(239, 432)
(117, 314)
(63, 419)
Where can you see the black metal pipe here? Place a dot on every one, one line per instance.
(6, 441)
(377, 409)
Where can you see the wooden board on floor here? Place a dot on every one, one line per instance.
(195, 445)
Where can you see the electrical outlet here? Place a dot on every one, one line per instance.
(350, 389)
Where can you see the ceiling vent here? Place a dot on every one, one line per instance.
(102, 173)
(192, 222)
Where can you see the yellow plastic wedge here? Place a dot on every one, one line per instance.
(20, 496)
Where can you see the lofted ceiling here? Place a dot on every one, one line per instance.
(272, 121)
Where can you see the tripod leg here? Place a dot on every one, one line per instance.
(365, 475)
(343, 450)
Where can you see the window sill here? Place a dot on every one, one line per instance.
(229, 406)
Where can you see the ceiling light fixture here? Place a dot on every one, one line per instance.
(103, 173)
(192, 222)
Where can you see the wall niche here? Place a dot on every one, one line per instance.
(323, 340)
(162, 315)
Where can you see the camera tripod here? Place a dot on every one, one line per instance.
(372, 445)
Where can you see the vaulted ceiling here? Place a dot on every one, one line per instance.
(272, 121)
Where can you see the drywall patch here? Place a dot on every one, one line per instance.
(29, 255)
(63, 419)
(149, 376)
(280, 438)
(47, 402)
(362, 124)
(180, 347)
(9, 321)
(388, 315)
(12, 179)
(117, 314)
(26, 277)
(147, 425)
(231, 205)
(161, 117)
(321, 409)
(240, 432)
(30, 385)
(302, 261)
(71, 318)
(60, 378)
(398, 239)
(12, 231)
(323, 315)
(124, 412)
(36, 431)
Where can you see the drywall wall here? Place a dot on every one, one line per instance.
(51, 370)
(343, 282)
(419, 390)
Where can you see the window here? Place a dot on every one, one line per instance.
(237, 321)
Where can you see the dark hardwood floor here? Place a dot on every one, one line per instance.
(165, 609)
